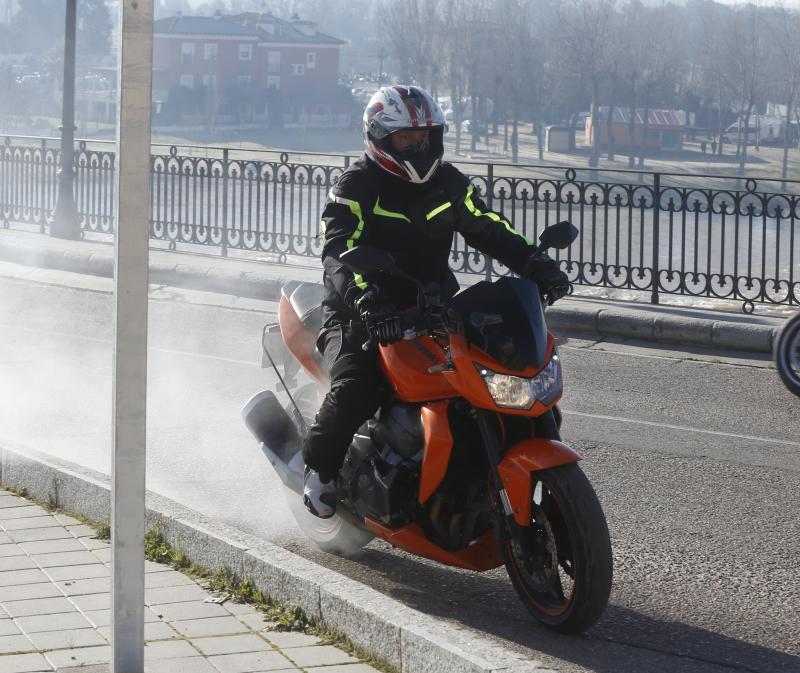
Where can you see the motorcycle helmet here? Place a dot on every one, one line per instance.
(399, 108)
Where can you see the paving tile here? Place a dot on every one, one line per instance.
(171, 578)
(79, 572)
(21, 592)
(9, 513)
(4, 539)
(10, 578)
(152, 631)
(16, 563)
(67, 520)
(89, 602)
(173, 612)
(195, 664)
(97, 668)
(81, 656)
(256, 621)
(70, 638)
(169, 649)
(240, 609)
(24, 663)
(92, 543)
(251, 662)
(94, 585)
(8, 627)
(64, 620)
(54, 533)
(248, 642)
(52, 546)
(30, 522)
(11, 549)
(38, 606)
(319, 655)
(179, 594)
(66, 558)
(17, 643)
(215, 626)
(81, 530)
(290, 639)
(103, 617)
(343, 668)
(102, 554)
(9, 500)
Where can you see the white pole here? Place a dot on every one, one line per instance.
(130, 341)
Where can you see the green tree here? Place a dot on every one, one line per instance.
(94, 27)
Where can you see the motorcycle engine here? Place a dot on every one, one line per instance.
(382, 466)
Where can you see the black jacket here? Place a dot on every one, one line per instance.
(416, 223)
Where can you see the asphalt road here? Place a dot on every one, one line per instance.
(695, 457)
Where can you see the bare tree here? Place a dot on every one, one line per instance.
(785, 29)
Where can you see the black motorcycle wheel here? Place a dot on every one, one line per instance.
(565, 581)
(787, 355)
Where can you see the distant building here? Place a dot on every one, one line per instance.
(248, 68)
(664, 129)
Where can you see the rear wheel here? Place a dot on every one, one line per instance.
(562, 569)
(787, 354)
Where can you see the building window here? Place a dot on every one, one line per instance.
(243, 81)
(187, 81)
(273, 82)
(210, 50)
(245, 52)
(298, 69)
(273, 61)
(311, 60)
(187, 53)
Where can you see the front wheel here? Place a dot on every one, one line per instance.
(562, 569)
(787, 354)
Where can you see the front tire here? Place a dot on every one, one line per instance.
(565, 581)
(787, 355)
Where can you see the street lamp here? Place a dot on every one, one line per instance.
(65, 221)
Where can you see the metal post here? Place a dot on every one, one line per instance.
(490, 205)
(130, 338)
(656, 235)
(65, 221)
(225, 218)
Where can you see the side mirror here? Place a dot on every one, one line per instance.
(558, 236)
(364, 259)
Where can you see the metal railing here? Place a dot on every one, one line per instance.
(663, 233)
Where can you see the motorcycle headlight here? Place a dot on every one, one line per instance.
(518, 392)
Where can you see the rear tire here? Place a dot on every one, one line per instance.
(787, 355)
(335, 535)
(573, 546)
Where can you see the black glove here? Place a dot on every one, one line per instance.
(544, 271)
(381, 318)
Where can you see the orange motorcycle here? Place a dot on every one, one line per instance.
(464, 462)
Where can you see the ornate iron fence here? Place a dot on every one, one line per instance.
(711, 236)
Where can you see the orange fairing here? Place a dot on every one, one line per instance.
(530, 455)
(470, 385)
(483, 554)
(300, 341)
(438, 445)
(406, 364)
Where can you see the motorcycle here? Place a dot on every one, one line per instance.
(786, 354)
(464, 463)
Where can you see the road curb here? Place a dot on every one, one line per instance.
(615, 322)
(409, 640)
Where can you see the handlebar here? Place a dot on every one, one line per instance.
(418, 325)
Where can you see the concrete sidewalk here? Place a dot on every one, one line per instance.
(55, 610)
(256, 279)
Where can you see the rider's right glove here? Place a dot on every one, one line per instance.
(544, 271)
(381, 318)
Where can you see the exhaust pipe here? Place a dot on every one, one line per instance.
(280, 441)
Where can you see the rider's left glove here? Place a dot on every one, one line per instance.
(381, 318)
(544, 271)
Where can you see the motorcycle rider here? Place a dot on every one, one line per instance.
(400, 197)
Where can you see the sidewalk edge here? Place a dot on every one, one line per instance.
(409, 640)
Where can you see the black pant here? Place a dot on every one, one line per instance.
(356, 388)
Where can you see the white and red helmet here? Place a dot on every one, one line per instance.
(398, 108)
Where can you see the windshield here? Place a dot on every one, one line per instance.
(506, 320)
